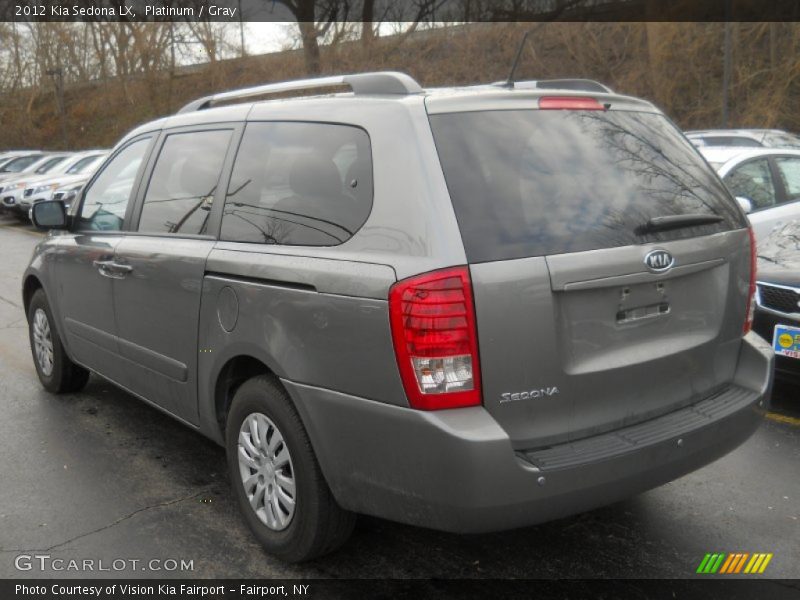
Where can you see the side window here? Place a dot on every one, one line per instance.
(184, 181)
(789, 169)
(306, 184)
(107, 199)
(753, 180)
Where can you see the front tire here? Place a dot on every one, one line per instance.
(276, 478)
(56, 371)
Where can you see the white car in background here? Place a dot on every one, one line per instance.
(13, 187)
(755, 138)
(765, 182)
(68, 193)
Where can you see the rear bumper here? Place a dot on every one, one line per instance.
(455, 470)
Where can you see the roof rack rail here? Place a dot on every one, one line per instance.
(380, 82)
(581, 85)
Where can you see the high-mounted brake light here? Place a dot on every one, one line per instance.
(435, 340)
(751, 293)
(569, 103)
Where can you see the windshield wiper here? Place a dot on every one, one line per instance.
(677, 222)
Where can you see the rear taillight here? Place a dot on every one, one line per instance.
(433, 328)
(569, 103)
(748, 319)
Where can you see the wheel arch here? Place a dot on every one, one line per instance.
(29, 287)
(231, 376)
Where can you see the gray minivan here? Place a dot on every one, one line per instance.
(468, 309)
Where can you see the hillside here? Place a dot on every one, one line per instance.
(679, 66)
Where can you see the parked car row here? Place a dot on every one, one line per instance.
(30, 176)
(761, 169)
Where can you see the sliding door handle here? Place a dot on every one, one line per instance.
(108, 268)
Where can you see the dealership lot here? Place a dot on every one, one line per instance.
(101, 477)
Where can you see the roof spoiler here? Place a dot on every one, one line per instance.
(377, 83)
(578, 85)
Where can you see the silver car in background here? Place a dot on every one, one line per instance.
(765, 181)
(15, 182)
(468, 309)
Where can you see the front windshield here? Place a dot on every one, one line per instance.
(83, 163)
(18, 165)
(49, 164)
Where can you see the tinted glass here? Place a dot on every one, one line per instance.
(49, 164)
(107, 198)
(723, 140)
(19, 164)
(789, 169)
(184, 181)
(534, 182)
(299, 184)
(753, 180)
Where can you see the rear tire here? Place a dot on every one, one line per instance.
(56, 371)
(287, 504)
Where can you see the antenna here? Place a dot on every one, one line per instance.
(510, 80)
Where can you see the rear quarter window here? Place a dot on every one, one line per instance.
(306, 184)
(533, 182)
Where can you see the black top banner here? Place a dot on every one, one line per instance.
(401, 10)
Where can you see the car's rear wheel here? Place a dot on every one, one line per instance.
(56, 371)
(277, 481)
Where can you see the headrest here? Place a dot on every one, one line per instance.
(314, 176)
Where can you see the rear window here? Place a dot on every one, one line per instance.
(783, 141)
(532, 182)
(730, 140)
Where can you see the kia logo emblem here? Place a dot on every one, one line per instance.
(659, 261)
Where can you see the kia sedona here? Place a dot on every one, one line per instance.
(467, 309)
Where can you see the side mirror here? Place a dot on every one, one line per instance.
(49, 214)
(745, 203)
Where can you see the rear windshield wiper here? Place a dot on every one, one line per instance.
(677, 222)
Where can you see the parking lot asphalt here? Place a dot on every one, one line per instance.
(99, 475)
